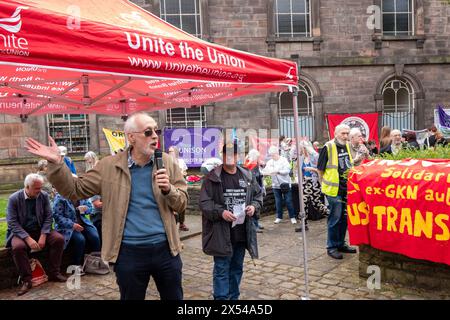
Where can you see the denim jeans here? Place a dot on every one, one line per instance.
(279, 196)
(78, 242)
(337, 222)
(136, 264)
(97, 222)
(227, 274)
(255, 221)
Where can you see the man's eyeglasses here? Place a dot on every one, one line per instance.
(149, 132)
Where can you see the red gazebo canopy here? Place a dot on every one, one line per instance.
(113, 57)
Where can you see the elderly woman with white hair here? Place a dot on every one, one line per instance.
(90, 160)
(278, 168)
(42, 167)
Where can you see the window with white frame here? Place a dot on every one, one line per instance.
(293, 18)
(398, 17)
(186, 117)
(183, 14)
(398, 104)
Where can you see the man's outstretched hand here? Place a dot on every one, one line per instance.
(50, 153)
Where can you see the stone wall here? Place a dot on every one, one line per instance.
(13, 173)
(8, 271)
(397, 268)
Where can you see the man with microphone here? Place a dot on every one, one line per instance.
(141, 189)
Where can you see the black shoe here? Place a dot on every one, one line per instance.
(335, 254)
(347, 249)
(57, 278)
(261, 227)
(24, 288)
(299, 229)
(259, 230)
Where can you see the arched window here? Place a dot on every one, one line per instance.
(398, 104)
(305, 112)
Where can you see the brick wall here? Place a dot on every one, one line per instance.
(397, 268)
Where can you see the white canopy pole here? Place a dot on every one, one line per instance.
(300, 190)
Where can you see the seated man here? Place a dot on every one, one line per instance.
(77, 229)
(29, 220)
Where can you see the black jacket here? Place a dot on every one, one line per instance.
(387, 149)
(216, 232)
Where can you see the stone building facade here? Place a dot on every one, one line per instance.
(348, 63)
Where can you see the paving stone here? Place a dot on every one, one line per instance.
(289, 296)
(329, 281)
(344, 296)
(264, 297)
(283, 278)
(288, 285)
(271, 264)
(273, 281)
(278, 274)
(322, 292)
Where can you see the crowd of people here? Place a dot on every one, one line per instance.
(131, 209)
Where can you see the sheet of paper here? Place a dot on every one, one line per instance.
(239, 212)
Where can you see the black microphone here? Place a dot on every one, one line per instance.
(158, 159)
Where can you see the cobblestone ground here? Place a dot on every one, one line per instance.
(277, 274)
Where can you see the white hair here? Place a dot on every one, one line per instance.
(93, 156)
(31, 178)
(354, 132)
(42, 164)
(340, 128)
(253, 155)
(273, 150)
(62, 150)
(308, 146)
(395, 131)
(130, 125)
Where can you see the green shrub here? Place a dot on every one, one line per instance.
(438, 153)
(3, 204)
(267, 181)
(3, 228)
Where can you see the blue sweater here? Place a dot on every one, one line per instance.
(143, 225)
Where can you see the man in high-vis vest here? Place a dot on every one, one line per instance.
(334, 160)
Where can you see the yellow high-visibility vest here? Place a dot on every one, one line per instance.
(330, 182)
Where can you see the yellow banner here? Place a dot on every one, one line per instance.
(116, 140)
